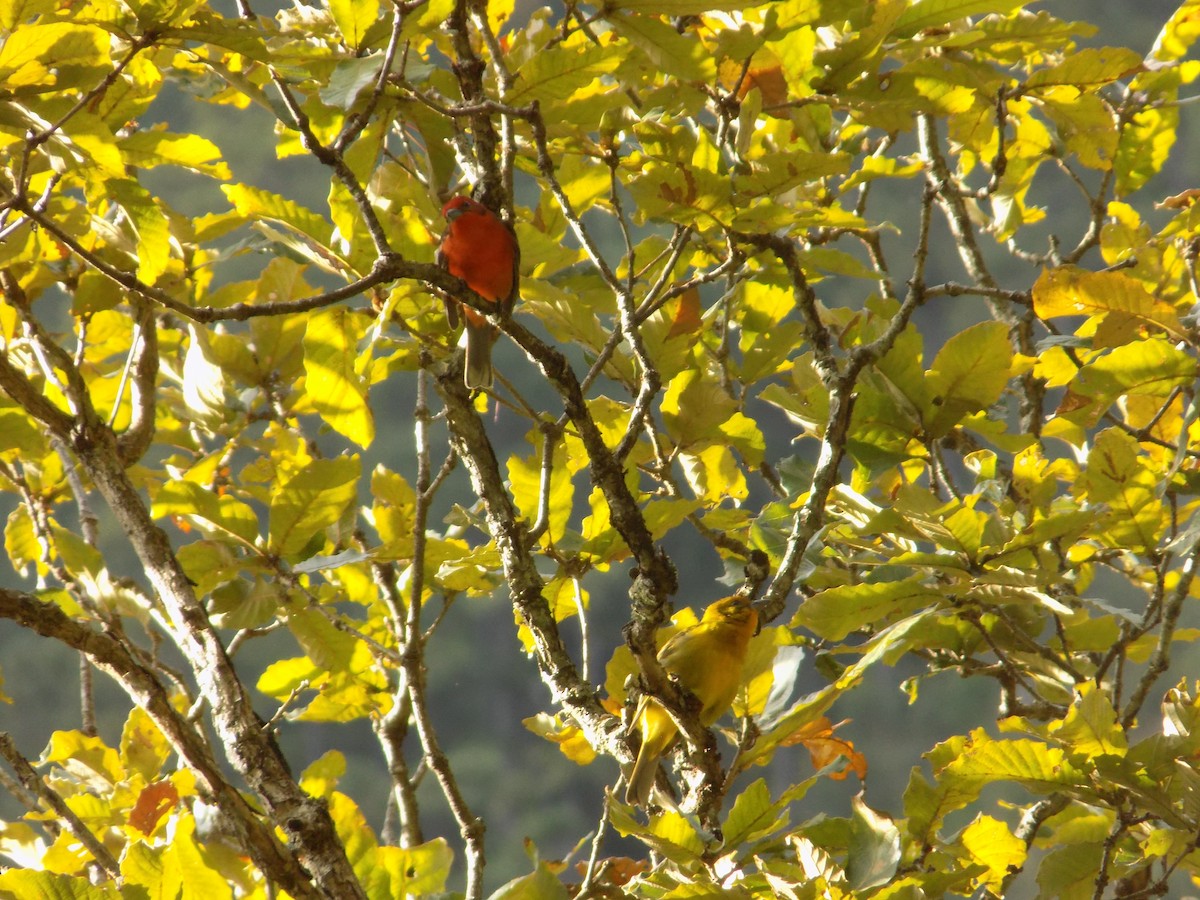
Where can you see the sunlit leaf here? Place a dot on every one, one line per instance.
(26, 883)
(149, 226)
(312, 500)
(570, 740)
(672, 53)
(148, 149)
(332, 382)
(968, 374)
(836, 612)
(874, 850)
(31, 54)
(353, 18)
(990, 842)
(1069, 291)
(1090, 727)
(1088, 67)
(932, 13)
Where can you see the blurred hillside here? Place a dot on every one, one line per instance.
(481, 686)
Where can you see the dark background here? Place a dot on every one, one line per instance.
(481, 684)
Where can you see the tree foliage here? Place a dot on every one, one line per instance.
(732, 219)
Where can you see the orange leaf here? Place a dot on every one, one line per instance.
(687, 314)
(617, 870)
(152, 804)
(824, 747)
(768, 79)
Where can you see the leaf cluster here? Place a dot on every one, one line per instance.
(727, 339)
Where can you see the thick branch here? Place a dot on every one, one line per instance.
(144, 689)
(251, 748)
(471, 443)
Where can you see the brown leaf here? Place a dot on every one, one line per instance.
(153, 803)
(1180, 201)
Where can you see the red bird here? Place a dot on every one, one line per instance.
(481, 250)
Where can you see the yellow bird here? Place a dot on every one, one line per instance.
(707, 660)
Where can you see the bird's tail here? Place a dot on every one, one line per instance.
(480, 337)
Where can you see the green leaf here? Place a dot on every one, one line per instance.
(836, 612)
(926, 804)
(969, 374)
(669, 834)
(311, 500)
(328, 648)
(672, 53)
(159, 13)
(149, 225)
(354, 18)
(1117, 476)
(350, 78)
(16, 12)
(555, 75)
(201, 505)
(1034, 765)
(936, 13)
(1145, 145)
(33, 55)
(239, 603)
(1087, 125)
(148, 149)
(255, 203)
(1090, 727)
(26, 884)
(684, 7)
(76, 554)
(695, 408)
(1089, 68)
(332, 383)
(874, 851)
(541, 884)
(847, 60)
(753, 816)
(1069, 873)
(1148, 368)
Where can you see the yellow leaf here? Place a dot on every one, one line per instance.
(569, 738)
(337, 391)
(713, 474)
(323, 774)
(89, 759)
(1071, 291)
(32, 54)
(991, 844)
(353, 18)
